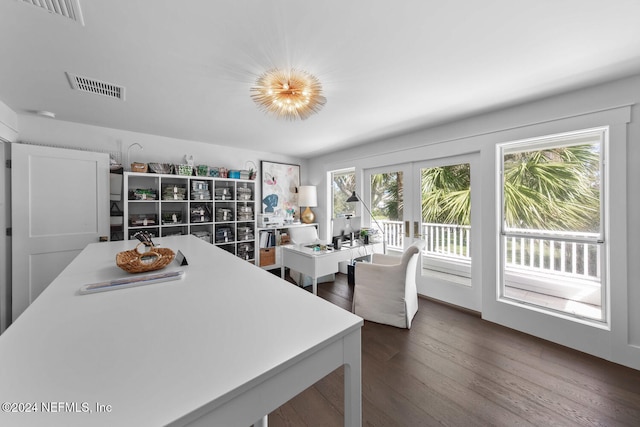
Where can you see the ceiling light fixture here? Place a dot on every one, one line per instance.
(288, 94)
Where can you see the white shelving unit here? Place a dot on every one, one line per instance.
(220, 211)
(278, 250)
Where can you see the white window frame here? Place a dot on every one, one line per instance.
(597, 238)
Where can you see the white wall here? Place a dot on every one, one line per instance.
(160, 149)
(580, 109)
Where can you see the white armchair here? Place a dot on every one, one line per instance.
(385, 290)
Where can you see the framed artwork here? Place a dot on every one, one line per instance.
(280, 182)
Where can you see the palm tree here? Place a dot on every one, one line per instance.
(553, 189)
(446, 194)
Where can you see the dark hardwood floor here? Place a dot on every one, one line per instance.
(452, 368)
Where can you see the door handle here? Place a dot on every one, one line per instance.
(416, 229)
(407, 233)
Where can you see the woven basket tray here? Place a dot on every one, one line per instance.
(134, 261)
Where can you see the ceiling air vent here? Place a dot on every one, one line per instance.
(96, 86)
(67, 8)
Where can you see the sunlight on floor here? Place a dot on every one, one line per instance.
(561, 304)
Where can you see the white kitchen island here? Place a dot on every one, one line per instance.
(224, 346)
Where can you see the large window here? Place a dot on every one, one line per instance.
(343, 184)
(552, 224)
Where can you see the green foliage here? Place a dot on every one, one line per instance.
(387, 196)
(550, 189)
(553, 189)
(446, 194)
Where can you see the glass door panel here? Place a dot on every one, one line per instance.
(443, 217)
(386, 194)
(445, 226)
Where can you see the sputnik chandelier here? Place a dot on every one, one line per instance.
(288, 94)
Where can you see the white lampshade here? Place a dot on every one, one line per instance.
(307, 196)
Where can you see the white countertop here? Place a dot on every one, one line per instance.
(155, 353)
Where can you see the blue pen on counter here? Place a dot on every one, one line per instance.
(131, 282)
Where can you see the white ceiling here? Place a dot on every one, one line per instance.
(386, 66)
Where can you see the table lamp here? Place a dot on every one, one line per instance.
(307, 196)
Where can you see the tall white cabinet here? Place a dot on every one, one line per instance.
(220, 211)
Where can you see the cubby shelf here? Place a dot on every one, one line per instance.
(220, 211)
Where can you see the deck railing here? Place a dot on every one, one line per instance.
(555, 256)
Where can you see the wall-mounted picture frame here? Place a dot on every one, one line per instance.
(280, 182)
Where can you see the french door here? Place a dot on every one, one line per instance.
(431, 201)
(388, 193)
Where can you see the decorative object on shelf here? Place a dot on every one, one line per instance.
(134, 261)
(355, 198)
(202, 170)
(164, 168)
(142, 220)
(244, 193)
(245, 233)
(285, 239)
(269, 220)
(224, 214)
(252, 168)
(171, 217)
(200, 190)
(307, 196)
(138, 167)
(143, 194)
(200, 213)
(174, 192)
(279, 184)
(223, 193)
(245, 251)
(245, 213)
(267, 256)
(288, 94)
(184, 170)
(224, 234)
(288, 217)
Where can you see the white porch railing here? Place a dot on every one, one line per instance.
(580, 260)
(576, 259)
(394, 234)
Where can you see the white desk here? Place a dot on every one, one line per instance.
(224, 346)
(320, 263)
